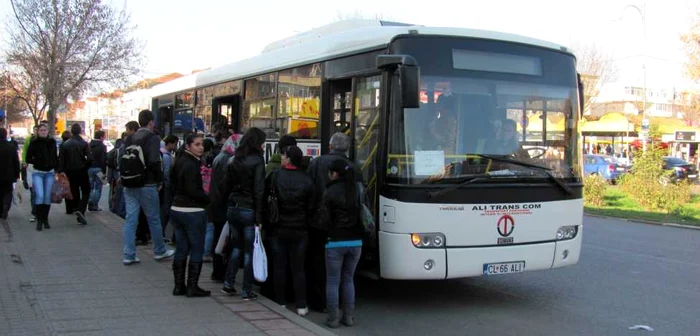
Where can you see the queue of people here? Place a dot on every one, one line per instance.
(308, 210)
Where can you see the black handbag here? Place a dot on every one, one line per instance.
(273, 212)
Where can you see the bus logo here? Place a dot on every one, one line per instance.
(506, 225)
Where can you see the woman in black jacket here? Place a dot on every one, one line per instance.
(42, 155)
(294, 190)
(341, 212)
(245, 191)
(188, 216)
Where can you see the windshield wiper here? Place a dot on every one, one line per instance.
(546, 170)
(436, 194)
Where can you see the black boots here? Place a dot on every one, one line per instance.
(42, 216)
(193, 290)
(179, 267)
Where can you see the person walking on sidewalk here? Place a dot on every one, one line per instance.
(97, 170)
(9, 173)
(74, 159)
(42, 156)
(189, 216)
(340, 211)
(141, 175)
(245, 191)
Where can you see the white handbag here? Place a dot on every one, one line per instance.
(259, 258)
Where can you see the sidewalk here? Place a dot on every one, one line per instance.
(69, 280)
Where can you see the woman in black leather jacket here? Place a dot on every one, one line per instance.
(244, 189)
(294, 190)
(188, 216)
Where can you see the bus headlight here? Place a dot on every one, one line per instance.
(567, 232)
(428, 240)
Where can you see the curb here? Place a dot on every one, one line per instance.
(680, 226)
(286, 313)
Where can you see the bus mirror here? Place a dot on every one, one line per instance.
(581, 97)
(409, 76)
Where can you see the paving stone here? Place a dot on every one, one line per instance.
(70, 281)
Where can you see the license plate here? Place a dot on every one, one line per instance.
(504, 268)
(620, 168)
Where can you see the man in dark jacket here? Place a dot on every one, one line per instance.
(9, 173)
(146, 196)
(74, 159)
(97, 170)
(315, 255)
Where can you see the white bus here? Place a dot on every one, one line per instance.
(468, 140)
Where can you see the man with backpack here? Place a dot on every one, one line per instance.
(141, 175)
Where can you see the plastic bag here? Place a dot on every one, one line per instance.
(259, 258)
(62, 179)
(57, 193)
(224, 239)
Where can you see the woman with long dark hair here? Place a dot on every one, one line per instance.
(340, 211)
(42, 155)
(245, 191)
(189, 217)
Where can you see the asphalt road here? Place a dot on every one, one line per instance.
(628, 274)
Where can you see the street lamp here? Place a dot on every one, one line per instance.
(644, 66)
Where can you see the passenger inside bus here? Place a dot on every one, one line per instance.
(445, 126)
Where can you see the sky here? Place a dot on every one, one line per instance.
(182, 36)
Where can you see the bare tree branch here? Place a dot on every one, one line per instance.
(691, 42)
(596, 68)
(63, 48)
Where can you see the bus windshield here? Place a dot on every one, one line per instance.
(463, 120)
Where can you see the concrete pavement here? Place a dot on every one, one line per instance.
(69, 280)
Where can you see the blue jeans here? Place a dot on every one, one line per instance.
(119, 203)
(241, 222)
(42, 182)
(209, 240)
(340, 270)
(189, 234)
(32, 198)
(145, 198)
(95, 187)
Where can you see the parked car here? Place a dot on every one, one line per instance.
(680, 169)
(604, 166)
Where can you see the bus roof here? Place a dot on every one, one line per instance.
(330, 41)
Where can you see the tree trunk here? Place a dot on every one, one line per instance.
(51, 117)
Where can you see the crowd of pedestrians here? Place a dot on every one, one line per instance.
(203, 185)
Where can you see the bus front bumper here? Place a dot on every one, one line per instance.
(400, 260)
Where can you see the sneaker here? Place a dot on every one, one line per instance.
(81, 218)
(302, 311)
(128, 262)
(165, 255)
(229, 291)
(250, 296)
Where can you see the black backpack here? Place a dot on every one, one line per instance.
(111, 160)
(132, 166)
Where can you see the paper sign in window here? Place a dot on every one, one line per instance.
(428, 163)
